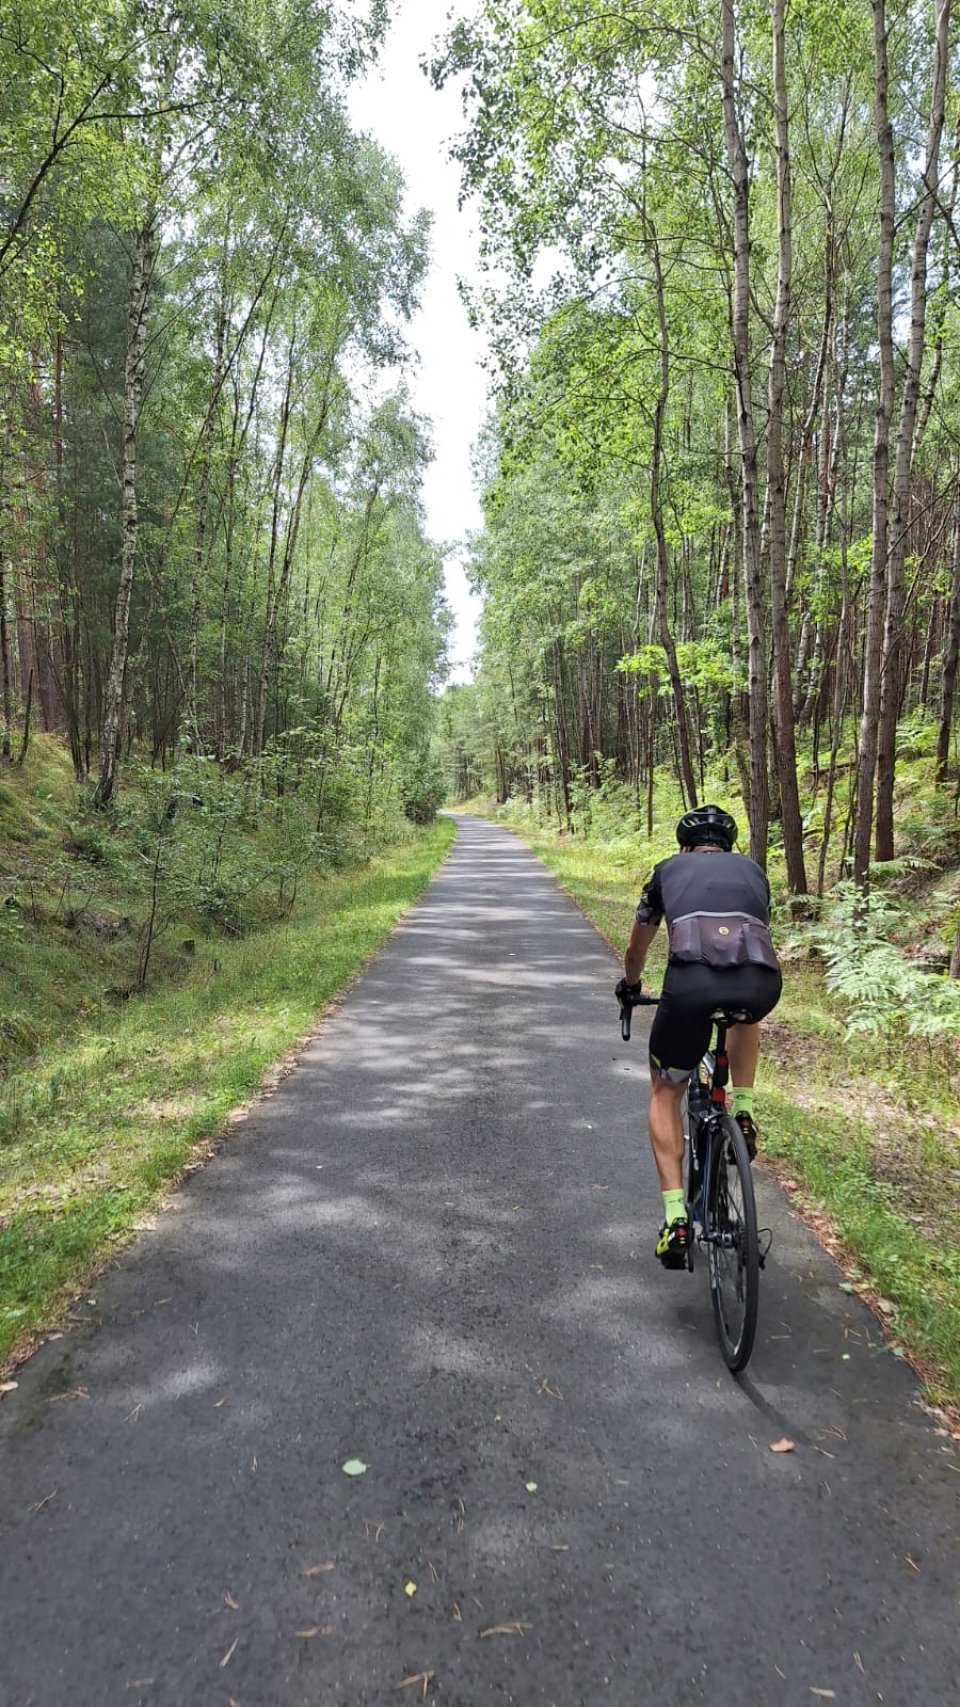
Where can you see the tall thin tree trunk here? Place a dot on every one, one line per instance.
(951, 654)
(140, 282)
(873, 635)
(786, 751)
(759, 802)
(688, 779)
(903, 467)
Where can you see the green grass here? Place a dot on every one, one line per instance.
(871, 1139)
(902, 1245)
(96, 1126)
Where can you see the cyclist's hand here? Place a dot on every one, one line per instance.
(627, 994)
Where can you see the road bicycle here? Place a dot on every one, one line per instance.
(720, 1193)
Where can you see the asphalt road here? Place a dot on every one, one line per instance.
(431, 1250)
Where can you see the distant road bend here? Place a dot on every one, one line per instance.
(431, 1251)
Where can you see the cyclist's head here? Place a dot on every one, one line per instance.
(707, 826)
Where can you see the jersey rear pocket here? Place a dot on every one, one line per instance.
(728, 941)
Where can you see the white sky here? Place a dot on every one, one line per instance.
(398, 105)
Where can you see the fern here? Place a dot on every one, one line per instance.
(885, 993)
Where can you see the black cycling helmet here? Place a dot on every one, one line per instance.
(707, 825)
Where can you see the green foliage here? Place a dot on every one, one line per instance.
(424, 788)
(886, 997)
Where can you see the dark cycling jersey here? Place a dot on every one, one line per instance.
(717, 909)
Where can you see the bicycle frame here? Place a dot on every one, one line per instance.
(720, 1191)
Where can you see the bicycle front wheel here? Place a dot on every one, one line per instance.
(732, 1247)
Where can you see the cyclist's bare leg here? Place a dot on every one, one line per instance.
(666, 1131)
(743, 1048)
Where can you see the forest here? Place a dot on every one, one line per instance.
(211, 543)
(722, 477)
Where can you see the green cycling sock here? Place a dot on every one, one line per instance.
(742, 1099)
(674, 1206)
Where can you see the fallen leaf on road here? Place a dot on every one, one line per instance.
(354, 1467)
(783, 1445)
(825, 1694)
(531, 1487)
(434, 1573)
(228, 1600)
(505, 1630)
(409, 1589)
(457, 1614)
(228, 1656)
(318, 1570)
(859, 1663)
(9, 1386)
(315, 1630)
(41, 1503)
(912, 1563)
(885, 1307)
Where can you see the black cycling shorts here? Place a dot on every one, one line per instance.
(682, 1024)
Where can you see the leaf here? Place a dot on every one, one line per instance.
(885, 1307)
(315, 1630)
(354, 1467)
(516, 1629)
(228, 1600)
(783, 1445)
(825, 1694)
(229, 1654)
(318, 1570)
(9, 1386)
(409, 1589)
(531, 1487)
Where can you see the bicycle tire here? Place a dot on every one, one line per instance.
(733, 1250)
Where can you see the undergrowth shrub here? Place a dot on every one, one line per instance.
(885, 994)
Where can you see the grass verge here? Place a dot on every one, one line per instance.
(868, 1148)
(99, 1124)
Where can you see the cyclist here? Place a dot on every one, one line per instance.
(717, 909)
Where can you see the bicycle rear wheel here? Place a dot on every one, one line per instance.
(732, 1248)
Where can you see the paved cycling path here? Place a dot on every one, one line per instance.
(431, 1250)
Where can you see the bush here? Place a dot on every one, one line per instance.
(424, 789)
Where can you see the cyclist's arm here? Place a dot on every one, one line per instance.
(640, 939)
(645, 926)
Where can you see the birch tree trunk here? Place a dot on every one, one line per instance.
(140, 281)
(873, 635)
(759, 800)
(903, 467)
(786, 750)
(688, 780)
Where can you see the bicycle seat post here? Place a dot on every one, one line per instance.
(721, 1063)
